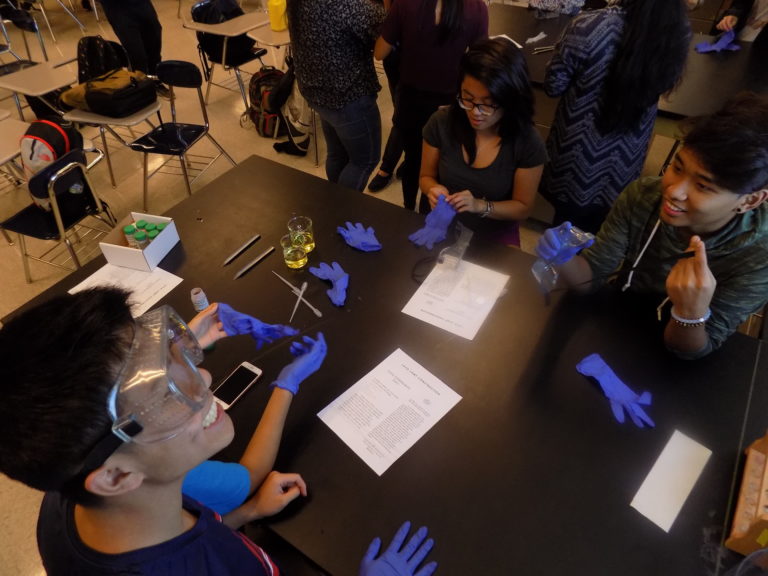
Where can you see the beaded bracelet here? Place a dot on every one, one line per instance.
(690, 322)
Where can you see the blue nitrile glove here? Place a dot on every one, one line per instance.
(560, 244)
(435, 226)
(338, 278)
(621, 397)
(309, 355)
(726, 41)
(360, 237)
(238, 323)
(397, 562)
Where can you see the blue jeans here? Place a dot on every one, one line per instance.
(353, 139)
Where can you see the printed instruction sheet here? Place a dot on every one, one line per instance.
(457, 299)
(147, 288)
(386, 412)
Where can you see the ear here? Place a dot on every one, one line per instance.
(751, 201)
(111, 479)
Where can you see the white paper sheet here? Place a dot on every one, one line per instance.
(671, 480)
(147, 288)
(388, 410)
(457, 299)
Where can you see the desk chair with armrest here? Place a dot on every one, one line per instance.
(108, 123)
(226, 43)
(175, 139)
(72, 199)
(25, 22)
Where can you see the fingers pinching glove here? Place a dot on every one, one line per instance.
(622, 398)
(399, 560)
(435, 226)
(235, 323)
(560, 244)
(338, 278)
(360, 237)
(309, 354)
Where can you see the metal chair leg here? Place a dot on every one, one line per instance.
(210, 81)
(146, 179)
(106, 153)
(212, 139)
(7, 238)
(24, 261)
(183, 162)
(242, 88)
(47, 22)
(72, 252)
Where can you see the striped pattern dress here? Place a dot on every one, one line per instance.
(587, 170)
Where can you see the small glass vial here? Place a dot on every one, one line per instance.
(129, 231)
(161, 226)
(140, 237)
(152, 234)
(141, 224)
(149, 227)
(199, 299)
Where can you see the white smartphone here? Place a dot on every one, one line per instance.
(235, 385)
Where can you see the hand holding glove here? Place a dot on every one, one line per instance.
(309, 356)
(560, 244)
(338, 278)
(435, 226)
(620, 395)
(397, 562)
(360, 237)
(235, 322)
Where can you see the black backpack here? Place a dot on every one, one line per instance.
(262, 84)
(211, 46)
(96, 56)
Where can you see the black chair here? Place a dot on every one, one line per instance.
(65, 186)
(174, 138)
(25, 22)
(229, 52)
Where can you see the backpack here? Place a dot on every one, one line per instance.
(117, 94)
(211, 46)
(96, 56)
(259, 89)
(42, 143)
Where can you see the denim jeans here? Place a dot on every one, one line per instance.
(353, 139)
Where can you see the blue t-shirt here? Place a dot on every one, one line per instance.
(210, 548)
(221, 486)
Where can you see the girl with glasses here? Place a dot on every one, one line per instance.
(483, 152)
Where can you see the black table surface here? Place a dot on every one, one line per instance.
(710, 79)
(529, 473)
(520, 24)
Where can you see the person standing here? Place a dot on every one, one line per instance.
(609, 68)
(747, 17)
(432, 35)
(138, 28)
(332, 43)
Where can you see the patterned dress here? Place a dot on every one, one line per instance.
(587, 170)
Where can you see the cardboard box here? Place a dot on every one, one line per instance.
(116, 250)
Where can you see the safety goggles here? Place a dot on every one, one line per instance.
(159, 388)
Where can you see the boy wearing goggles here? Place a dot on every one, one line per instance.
(107, 414)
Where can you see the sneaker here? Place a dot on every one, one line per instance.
(379, 182)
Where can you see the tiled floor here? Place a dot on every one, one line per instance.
(18, 553)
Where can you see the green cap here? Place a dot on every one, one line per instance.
(150, 226)
(161, 226)
(152, 234)
(140, 236)
(129, 229)
(141, 224)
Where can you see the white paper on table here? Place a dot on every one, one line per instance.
(146, 288)
(383, 414)
(671, 480)
(457, 299)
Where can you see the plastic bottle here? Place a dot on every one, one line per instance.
(278, 19)
(129, 231)
(199, 299)
(141, 239)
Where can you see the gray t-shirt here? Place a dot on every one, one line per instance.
(494, 182)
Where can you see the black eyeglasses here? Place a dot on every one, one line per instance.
(484, 109)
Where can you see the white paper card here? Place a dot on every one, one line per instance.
(671, 480)
(383, 414)
(146, 288)
(457, 299)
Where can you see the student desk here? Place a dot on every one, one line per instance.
(528, 473)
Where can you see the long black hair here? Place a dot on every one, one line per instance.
(451, 16)
(500, 66)
(648, 63)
